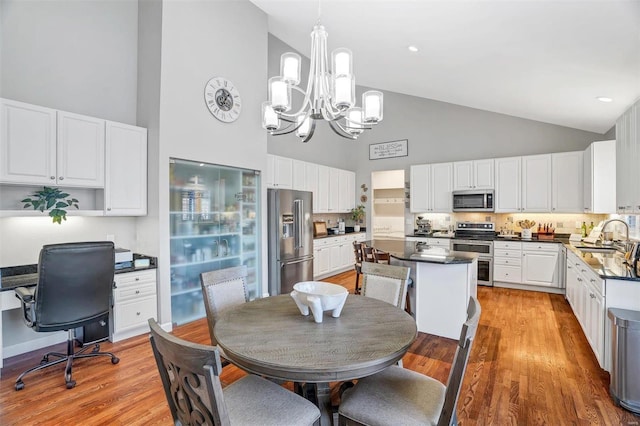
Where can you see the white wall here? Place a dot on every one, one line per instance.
(200, 40)
(77, 56)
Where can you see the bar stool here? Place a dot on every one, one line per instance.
(358, 253)
(380, 256)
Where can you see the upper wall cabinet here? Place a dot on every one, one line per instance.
(103, 164)
(536, 183)
(477, 174)
(599, 171)
(523, 184)
(508, 184)
(627, 157)
(567, 177)
(279, 172)
(125, 190)
(47, 147)
(430, 189)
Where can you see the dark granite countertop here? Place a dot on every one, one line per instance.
(610, 265)
(12, 277)
(406, 250)
(347, 232)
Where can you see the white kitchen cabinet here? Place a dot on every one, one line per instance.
(540, 264)
(599, 177)
(334, 190)
(279, 172)
(125, 190)
(80, 148)
(571, 276)
(321, 260)
(477, 174)
(134, 302)
(27, 143)
(346, 190)
(334, 254)
(627, 156)
(311, 182)
(430, 189)
(567, 177)
(419, 188)
(523, 184)
(298, 181)
(508, 184)
(507, 261)
(323, 190)
(48, 147)
(536, 183)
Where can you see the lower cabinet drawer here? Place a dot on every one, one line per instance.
(511, 274)
(511, 261)
(507, 253)
(141, 290)
(133, 313)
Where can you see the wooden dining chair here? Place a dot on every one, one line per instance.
(358, 255)
(221, 290)
(380, 256)
(398, 396)
(367, 253)
(190, 375)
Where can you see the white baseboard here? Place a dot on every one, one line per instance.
(35, 344)
(527, 287)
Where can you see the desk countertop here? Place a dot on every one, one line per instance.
(12, 277)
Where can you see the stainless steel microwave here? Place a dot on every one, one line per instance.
(473, 201)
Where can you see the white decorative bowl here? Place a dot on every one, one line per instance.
(319, 297)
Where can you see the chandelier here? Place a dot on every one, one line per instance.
(330, 95)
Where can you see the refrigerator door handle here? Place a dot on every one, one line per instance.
(283, 264)
(298, 208)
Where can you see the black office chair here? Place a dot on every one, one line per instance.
(74, 289)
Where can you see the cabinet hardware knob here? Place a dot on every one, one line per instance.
(138, 313)
(61, 178)
(52, 177)
(108, 208)
(137, 278)
(137, 291)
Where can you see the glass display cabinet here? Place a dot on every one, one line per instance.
(214, 225)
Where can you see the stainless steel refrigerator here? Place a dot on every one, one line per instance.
(290, 239)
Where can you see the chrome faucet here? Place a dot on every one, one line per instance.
(626, 225)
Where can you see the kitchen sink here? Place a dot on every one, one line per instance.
(591, 249)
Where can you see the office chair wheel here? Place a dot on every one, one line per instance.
(71, 384)
(115, 360)
(19, 385)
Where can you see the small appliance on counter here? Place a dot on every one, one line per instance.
(423, 227)
(123, 259)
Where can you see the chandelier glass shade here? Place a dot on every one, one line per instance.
(330, 95)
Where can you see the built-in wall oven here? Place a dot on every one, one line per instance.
(477, 237)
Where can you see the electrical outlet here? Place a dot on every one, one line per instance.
(560, 225)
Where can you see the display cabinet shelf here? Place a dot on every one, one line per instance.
(214, 211)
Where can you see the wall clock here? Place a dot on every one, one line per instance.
(223, 99)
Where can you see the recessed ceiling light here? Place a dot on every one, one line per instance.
(604, 99)
(413, 48)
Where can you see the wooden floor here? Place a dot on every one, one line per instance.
(530, 365)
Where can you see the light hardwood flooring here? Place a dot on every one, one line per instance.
(530, 365)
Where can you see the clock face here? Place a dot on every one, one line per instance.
(223, 99)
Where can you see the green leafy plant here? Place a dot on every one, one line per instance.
(52, 199)
(357, 213)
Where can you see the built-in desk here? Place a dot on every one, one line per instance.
(134, 302)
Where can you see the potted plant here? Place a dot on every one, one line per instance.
(357, 214)
(52, 199)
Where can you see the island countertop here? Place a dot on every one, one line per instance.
(417, 252)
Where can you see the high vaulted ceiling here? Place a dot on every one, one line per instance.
(545, 60)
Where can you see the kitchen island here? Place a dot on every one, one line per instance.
(443, 281)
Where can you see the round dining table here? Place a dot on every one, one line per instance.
(270, 337)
